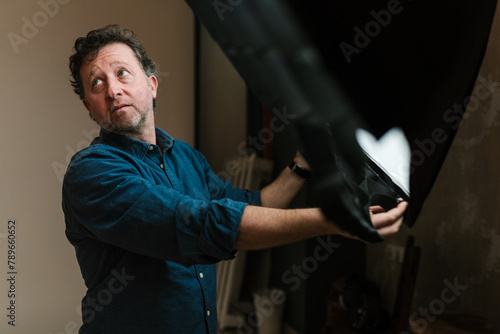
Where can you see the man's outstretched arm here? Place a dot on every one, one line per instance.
(263, 227)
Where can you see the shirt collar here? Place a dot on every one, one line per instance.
(134, 146)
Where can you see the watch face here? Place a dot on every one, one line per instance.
(300, 171)
(341, 66)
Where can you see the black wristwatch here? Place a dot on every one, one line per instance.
(300, 171)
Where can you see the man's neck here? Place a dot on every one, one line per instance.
(147, 136)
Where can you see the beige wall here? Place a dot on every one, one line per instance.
(459, 228)
(43, 123)
(222, 120)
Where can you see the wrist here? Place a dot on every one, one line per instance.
(299, 170)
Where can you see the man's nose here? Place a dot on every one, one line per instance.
(114, 89)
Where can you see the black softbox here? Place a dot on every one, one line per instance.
(344, 65)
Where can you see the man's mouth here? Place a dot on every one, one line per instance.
(118, 107)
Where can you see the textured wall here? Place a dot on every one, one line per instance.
(459, 228)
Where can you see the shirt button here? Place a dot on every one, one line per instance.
(162, 166)
(208, 313)
(151, 147)
(201, 275)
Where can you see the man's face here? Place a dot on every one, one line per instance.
(118, 95)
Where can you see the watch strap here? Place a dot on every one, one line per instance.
(300, 171)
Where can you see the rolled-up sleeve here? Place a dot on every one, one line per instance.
(111, 199)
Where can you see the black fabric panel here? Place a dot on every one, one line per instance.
(408, 63)
(417, 72)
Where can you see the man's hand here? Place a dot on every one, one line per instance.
(387, 223)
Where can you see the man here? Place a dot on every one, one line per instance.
(145, 213)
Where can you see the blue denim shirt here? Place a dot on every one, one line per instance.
(148, 229)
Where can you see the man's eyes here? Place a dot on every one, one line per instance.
(96, 82)
(122, 73)
(119, 73)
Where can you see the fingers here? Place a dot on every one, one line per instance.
(376, 208)
(390, 230)
(399, 210)
(388, 223)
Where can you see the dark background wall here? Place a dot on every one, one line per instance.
(458, 229)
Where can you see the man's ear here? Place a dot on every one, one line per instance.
(153, 84)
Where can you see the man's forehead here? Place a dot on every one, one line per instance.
(110, 55)
(115, 63)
